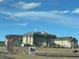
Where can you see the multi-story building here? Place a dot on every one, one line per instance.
(34, 38)
(15, 39)
(66, 42)
(11, 41)
(27, 39)
(41, 39)
(38, 39)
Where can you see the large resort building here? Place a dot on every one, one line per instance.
(41, 39)
(34, 38)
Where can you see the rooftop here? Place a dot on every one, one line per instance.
(66, 38)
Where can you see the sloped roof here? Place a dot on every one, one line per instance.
(12, 35)
(66, 38)
(32, 33)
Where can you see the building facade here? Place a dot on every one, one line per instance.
(66, 42)
(15, 39)
(40, 39)
(27, 39)
(34, 38)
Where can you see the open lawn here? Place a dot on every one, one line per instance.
(41, 53)
(27, 56)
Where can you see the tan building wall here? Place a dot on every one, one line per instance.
(31, 40)
(27, 40)
(24, 40)
(63, 43)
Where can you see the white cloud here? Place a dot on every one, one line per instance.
(5, 12)
(1, 0)
(9, 15)
(53, 16)
(26, 6)
(15, 24)
(40, 13)
(35, 29)
(57, 18)
(61, 12)
(33, 13)
(22, 24)
(76, 11)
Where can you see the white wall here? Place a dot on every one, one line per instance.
(27, 40)
(63, 43)
(24, 40)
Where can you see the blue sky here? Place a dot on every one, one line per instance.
(59, 17)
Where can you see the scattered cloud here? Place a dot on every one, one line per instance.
(22, 24)
(26, 6)
(1, 0)
(9, 15)
(75, 11)
(5, 12)
(57, 17)
(40, 13)
(35, 29)
(14, 24)
(33, 13)
(61, 12)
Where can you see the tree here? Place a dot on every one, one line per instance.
(50, 41)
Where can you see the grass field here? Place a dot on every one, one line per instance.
(27, 56)
(68, 54)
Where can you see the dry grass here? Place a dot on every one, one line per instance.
(56, 50)
(21, 55)
(27, 56)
